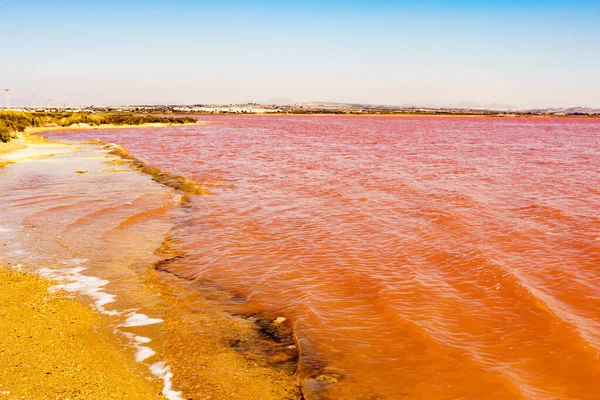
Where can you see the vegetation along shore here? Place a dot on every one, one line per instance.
(14, 122)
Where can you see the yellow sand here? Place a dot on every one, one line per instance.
(11, 146)
(42, 129)
(23, 139)
(52, 347)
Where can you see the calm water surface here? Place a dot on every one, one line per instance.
(420, 258)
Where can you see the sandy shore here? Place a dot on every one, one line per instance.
(11, 146)
(185, 339)
(28, 139)
(52, 346)
(43, 129)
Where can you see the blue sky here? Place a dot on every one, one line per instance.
(526, 54)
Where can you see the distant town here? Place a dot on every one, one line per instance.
(318, 108)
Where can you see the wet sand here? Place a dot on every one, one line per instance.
(10, 147)
(101, 237)
(27, 138)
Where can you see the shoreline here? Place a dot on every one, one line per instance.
(30, 137)
(43, 129)
(349, 114)
(165, 340)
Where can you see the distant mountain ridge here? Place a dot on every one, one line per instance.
(284, 105)
(465, 106)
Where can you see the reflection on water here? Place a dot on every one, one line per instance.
(416, 257)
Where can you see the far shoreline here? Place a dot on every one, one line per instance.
(512, 116)
(42, 129)
(18, 143)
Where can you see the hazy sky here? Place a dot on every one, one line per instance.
(524, 53)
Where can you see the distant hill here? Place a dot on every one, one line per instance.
(475, 105)
(280, 101)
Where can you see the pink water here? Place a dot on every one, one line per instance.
(417, 257)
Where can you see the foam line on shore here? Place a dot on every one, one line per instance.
(93, 287)
(143, 352)
(76, 282)
(163, 371)
(135, 319)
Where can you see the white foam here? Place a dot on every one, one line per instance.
(135, 319)
(93, 287)
(143, 352)
(79, 283)
(142, 339)
(161, 370)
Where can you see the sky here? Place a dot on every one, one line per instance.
(524, 54)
